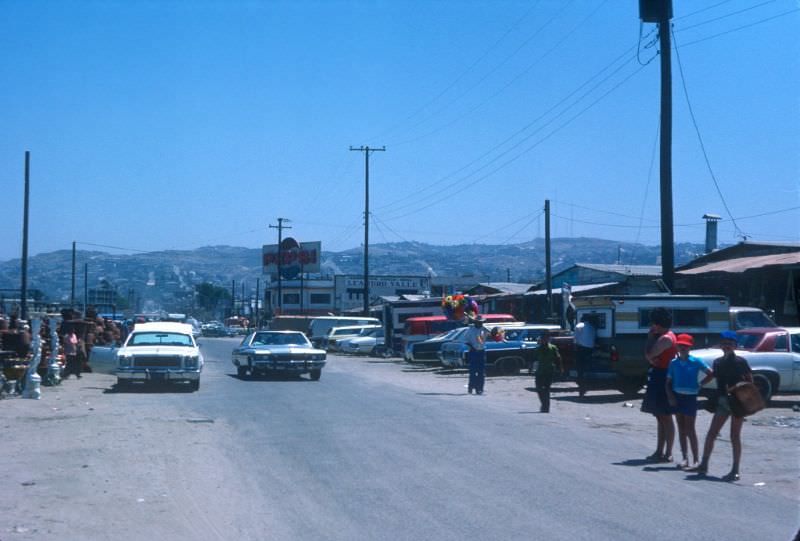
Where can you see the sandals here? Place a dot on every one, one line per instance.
(699, 470)
(731, 476)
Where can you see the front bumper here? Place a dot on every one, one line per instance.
(155, 374)
(299, 366)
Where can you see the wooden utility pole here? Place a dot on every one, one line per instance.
(660, 12)
(366, 150)
(547, 268)
(23, 290)
(280, 227)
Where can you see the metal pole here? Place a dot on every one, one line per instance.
(72, 290)
(85, 288)
(667, 240)
(258, 302)
(24, 278)
(548, 270)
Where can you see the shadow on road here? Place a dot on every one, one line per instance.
(596, 399)
(634, 462)
(442, 394)
(782, 404)
(149, 388)
(271, 377)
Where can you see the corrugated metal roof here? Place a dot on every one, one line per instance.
(506, 287)
(574, 289)
(627, 270)
(742, 264)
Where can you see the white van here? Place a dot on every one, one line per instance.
(319, 326)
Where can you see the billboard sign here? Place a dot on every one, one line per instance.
(296, 258)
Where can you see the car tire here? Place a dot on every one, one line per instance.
(194, 385)
(509, 366)
(765, 385)
(315, 374)
(241, 371)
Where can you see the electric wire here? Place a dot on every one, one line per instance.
(528, 149)
(494, 69)
(528, 223)
(731, 14)
(702, 10)
(646, 189)
(462, 74)
(700, 137)
(742, 27)
(432, 185)
(482, 103)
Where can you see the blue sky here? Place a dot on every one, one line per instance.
(158, 125)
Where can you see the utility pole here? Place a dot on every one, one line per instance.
(280, 227)
(72, 290)
(258, 303)
(547, 268)
(660, 11)
(508, 275)
(23, 291)
(85, 288)
(233, 298)
(366, 150)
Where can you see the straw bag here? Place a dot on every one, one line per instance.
(745, 399)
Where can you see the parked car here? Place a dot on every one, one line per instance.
(506, 357)
(363, 344)
(214, 328)
(337, 334)
(427, 351)
(285, 352)
(153, 353)
(319, 326)
(773, 356)
(418, 329)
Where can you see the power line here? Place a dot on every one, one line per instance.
(508, 84)
(469, 68)
(699, 136)
(493, 70)
(743, 27)
(537, 143)
(529, 222)
(731, 14)
(646, 188)
(702, 10)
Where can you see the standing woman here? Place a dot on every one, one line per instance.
(729, 370)
(659, 350)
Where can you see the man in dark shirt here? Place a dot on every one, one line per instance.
(728, 370)
(548, 363)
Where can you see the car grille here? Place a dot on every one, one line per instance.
(291, 357)
(157, 361)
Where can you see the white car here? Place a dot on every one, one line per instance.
(773, 371)
(157, 352)
(364, 344)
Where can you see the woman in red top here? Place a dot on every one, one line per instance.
(660, 349)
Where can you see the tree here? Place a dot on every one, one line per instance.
(211, 297)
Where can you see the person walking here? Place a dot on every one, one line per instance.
(71, 354)
(659, 350)
(585, 336)
(547, 361)
(475, 337)
(682, 389)
(728, 370)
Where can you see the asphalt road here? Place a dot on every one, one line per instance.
(364, 453)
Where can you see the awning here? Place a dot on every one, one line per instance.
(742, 264)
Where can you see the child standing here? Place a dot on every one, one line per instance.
(683, 385)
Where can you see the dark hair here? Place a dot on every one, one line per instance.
(661, 317)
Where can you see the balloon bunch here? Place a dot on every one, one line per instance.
(459, 306)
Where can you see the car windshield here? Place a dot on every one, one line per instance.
(160, 339)
(279, 339)
(746, 319)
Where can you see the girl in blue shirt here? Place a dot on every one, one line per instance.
(683, 385)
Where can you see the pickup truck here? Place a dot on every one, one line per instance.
(773, 355)
(506, 357)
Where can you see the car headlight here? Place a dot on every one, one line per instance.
(318, 357)
(124, 361)
(191, 361)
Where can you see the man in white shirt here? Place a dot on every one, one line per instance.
(475, 338)
(585, 336)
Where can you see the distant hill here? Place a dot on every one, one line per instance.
(167, 278)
